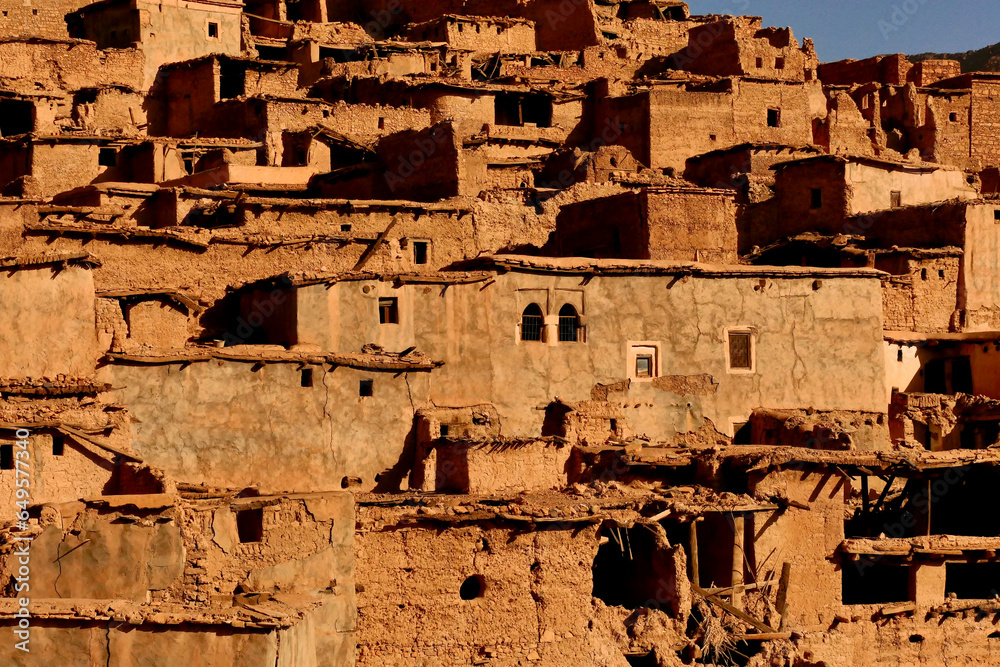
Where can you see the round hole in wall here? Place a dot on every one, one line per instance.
(366, 289)
(473, 587)
(349, 482)
(916, 639)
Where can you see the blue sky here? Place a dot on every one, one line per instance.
(863, 28)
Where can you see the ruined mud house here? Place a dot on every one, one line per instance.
(430, 334)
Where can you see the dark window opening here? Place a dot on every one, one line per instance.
(760, 63)
(366, 388)
(996, 215)
(740, 351)
(381, 123)
(472, 588)
(250, 525)
(108, 157)
(345, 228)
(630, 568)
(948, 376)
(531, 323)
(232, 79)
(868, 581)
(6, 457)
(742, 434)
(569, 324)
(953, 117)
(972, 581)
(816, 195)
(518, 109)
(923, 274)
(443, 430)
(350, 482)
(644, 366)
(779, 63)
(294, 11)
(188, 163)
(388, 311)
(213, 29)
(713, 137)
(270, 52)
(899, 355)
(940, 273)
(340, 55)
(774, 117)
(895, 199)
(420, 252)
(16, 117)
(809, 74)
(307, 377)
(58, 445)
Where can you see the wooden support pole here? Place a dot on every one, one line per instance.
(738, 538)
(929, 503)
(743, 616)
(693, 538)
(781, 603)
(885, 492)
(864, 505)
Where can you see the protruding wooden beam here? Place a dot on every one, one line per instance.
(782, 600)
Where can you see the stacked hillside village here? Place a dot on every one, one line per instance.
(555, 332)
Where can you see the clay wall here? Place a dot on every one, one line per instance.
(718, 119)
(481, 35)
(49, 322)
(928, 72)
(985, 116)
(536, 604)
(890, 70)
(196, 29)
(36, 18)
(741, 47)
(652, 224)
(58, 66)
(924, 297)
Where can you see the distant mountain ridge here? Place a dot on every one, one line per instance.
(986, 59)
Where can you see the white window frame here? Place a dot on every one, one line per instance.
(637, 349)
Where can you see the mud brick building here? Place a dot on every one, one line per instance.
(397, 333)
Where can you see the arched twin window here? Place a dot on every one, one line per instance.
(532, 321)
(569, 324)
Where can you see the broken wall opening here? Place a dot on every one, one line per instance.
(634, 569)
(16, 117)
(519, 109)
(873, 581)
(972, 581)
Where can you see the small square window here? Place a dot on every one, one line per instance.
(307, 377)
(6, 457)
(108, 157)
(953, 117)
(774, 117)
(388, 311)
(213, 29)
(895, 199)
(740, 351)
(712, 137)
(940, 273)
(644, 366)
(58, 445)
(816, 198)
(366, 388)
(779, 63)
(250, 525)
(760, 63)
(444, 430)
(345, 228)
(420, 252)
